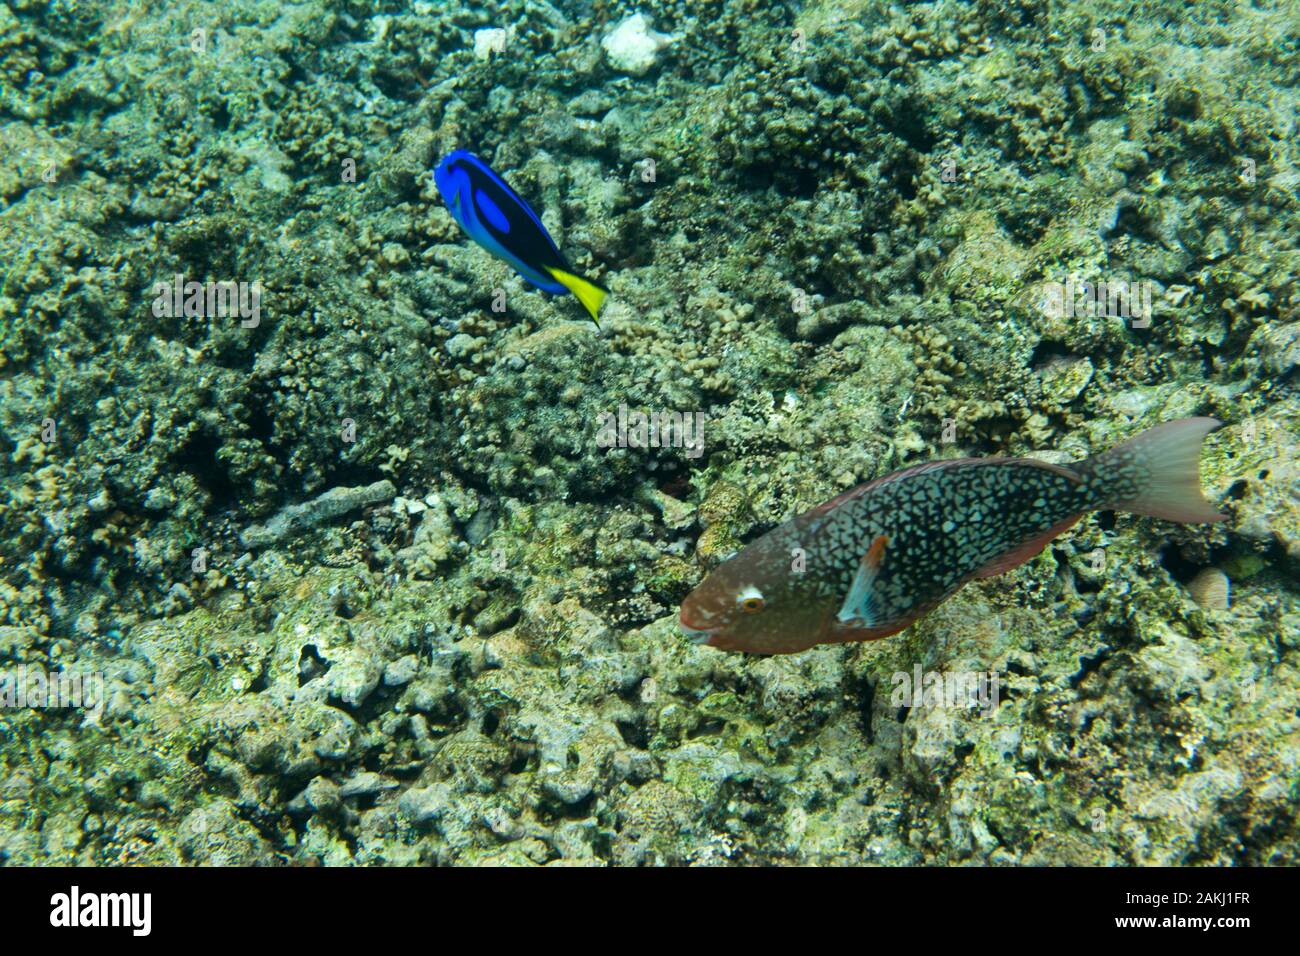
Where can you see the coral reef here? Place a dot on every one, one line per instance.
(362, 583)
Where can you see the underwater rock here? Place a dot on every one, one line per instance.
(425, 804)
(215, 835)
(1264, 480)
(434, 541)
(1277, 347)
(297, 519)
(365, 784)
(489, 40)
(633, 46)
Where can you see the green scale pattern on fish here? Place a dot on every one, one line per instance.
(980, 512)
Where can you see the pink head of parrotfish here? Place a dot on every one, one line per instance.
(749, 603)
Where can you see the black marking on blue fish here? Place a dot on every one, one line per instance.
(508, 219)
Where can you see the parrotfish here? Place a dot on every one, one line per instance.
(494, 216)
(875, 559)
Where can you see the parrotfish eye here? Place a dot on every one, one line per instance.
(750, 600)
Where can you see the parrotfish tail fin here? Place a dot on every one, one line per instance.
(1156, 473)
(588, 293)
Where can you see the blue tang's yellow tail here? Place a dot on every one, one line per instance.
(588, 293)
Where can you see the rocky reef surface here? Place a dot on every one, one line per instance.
(364, 587)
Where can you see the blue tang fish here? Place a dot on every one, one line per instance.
(494, 216)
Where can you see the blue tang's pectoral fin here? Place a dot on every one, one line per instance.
(859, 608)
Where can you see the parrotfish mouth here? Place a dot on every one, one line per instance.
(696, 635)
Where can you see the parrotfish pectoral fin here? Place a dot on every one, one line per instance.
(588, 293)
(858, 607)
(1165, 461)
